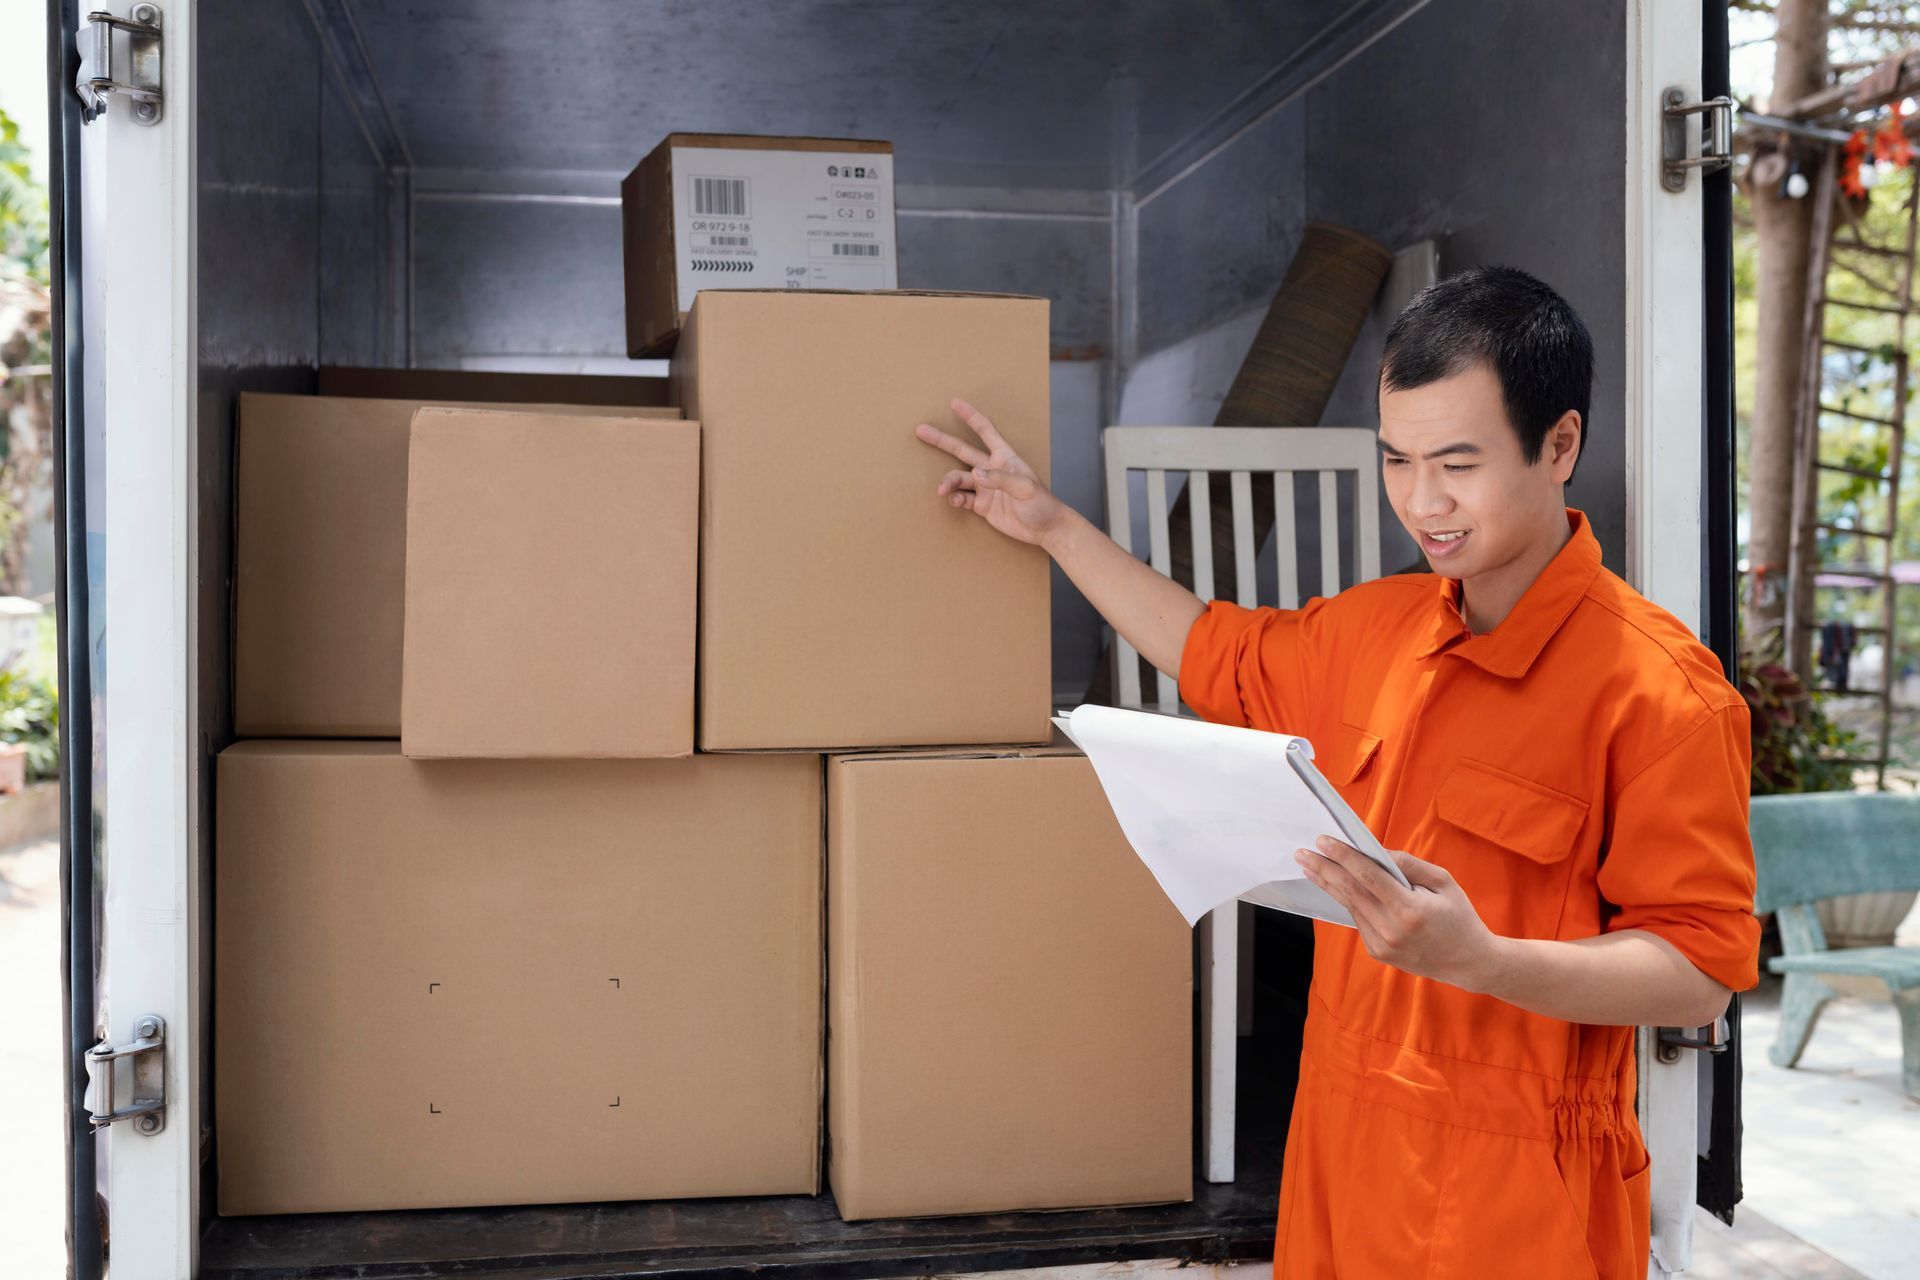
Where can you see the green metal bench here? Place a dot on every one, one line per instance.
(1825, 845)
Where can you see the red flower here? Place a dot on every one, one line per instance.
(1890, 145)
(1850, 165)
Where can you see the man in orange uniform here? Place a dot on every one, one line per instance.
(1565, 766)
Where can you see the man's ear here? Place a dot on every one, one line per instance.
(1561, 448)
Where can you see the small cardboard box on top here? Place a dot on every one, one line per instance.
(843, 602)
(474, 982)
(320, 562)
(1009, 992)
(731, 211)
(550, 586)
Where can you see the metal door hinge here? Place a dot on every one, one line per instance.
(1669, 1041)
(148, 1107)
(1716, 136)
(142, 86)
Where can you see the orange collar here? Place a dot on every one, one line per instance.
(1510, 648)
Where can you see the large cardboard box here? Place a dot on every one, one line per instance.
(488, 386)
(320, 562)
(474, 982)
(1009, 993)
(550, 586)
(728, 211)
(843, 602)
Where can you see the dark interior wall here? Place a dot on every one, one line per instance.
(359, 322)
(1494, 185)
(1218, 241)
(312, 250)
(292, 268)
(516, 274)
(539, 274)
(1390, 145)
(1065, 256)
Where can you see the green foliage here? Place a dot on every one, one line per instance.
(23, 206)
(1861, 381)
(30, 714)
(26, 354)
(1795, 746)
(1860, 34)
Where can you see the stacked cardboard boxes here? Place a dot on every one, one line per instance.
(468, 982)
(550, 569)
(533, 834)
(842, 603)
(1008, 992)
(711, 211)
(609, 968)
(320, 556)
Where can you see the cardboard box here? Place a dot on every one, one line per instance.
(1009, 993)
(484, 386)
(726, 211)
(550, 586)
(843, 602)
(485, 982)
(320, 563)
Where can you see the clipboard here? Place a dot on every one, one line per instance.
(1304, 897)
(1202, 807)
(1352, 829)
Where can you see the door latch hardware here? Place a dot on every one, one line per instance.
(148, 1108)
(142, 86)
(1716, 136)
(1671, 1040)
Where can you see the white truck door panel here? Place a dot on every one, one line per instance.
(137, 302)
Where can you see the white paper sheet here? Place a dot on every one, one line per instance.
(1216, 812)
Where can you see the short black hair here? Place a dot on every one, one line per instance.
(1536, 345)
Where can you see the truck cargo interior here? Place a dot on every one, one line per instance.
(435, 186)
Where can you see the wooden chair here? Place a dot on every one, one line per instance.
(1274, 455)
(1823, 845)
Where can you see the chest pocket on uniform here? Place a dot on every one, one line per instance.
(1348, 761)
(1516, 871)
(1532, 820)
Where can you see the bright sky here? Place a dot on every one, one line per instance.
(23, 73)
(1752, 66)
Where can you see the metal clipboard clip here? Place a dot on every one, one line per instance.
(1352, 829)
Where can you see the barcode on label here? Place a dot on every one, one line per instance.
(720, 197)
(842, 249)
(720, 240)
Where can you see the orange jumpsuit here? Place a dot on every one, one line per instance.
(1581, 768)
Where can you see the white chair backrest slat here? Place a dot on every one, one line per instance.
(1329, 533)
(1245, 554)
(1275, 453)
(1200, 498)
(1286, 553)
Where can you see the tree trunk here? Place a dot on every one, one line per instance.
(1784, 229)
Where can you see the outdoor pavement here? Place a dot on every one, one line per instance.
(1832, 1148)
(32, 1171)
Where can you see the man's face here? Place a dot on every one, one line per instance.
(1456, 478)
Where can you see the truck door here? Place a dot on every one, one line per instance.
(124, 269)
(123, 213)
(1679, 309)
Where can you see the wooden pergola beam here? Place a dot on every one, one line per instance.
(1890, 80)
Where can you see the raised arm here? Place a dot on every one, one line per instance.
(1152, 611)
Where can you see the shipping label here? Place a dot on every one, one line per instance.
(782, 220)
